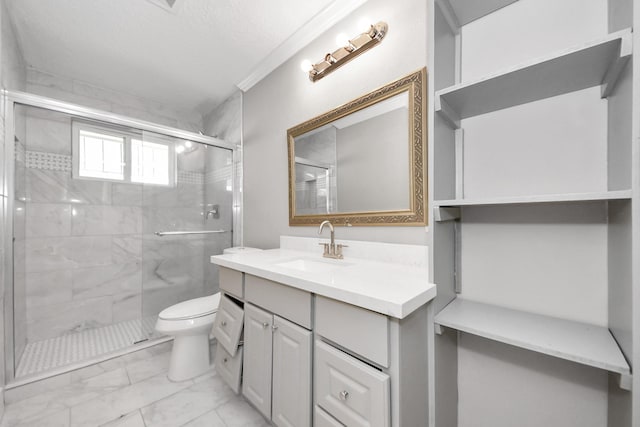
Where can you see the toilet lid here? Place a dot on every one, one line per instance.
(192, 308)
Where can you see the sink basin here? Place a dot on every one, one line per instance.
(313, 265)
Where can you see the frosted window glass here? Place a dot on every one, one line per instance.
(150, 163)
(101, 156)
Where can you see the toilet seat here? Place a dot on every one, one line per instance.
(192, 309)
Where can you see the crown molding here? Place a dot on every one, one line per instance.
(302, 37)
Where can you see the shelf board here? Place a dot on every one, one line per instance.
(582, 343)
(462, 12)
(542, 198)
(593, 64)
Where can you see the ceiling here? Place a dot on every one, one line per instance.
(190, 56)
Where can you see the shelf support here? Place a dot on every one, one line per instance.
(447, 113)
(449, 16)
(615, 68)
(625, 381)
(444, 213)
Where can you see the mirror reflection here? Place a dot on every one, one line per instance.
(357, 163)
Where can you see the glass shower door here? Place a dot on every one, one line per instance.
(187, 217)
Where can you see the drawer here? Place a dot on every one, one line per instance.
(322, 419)
(362, 331)
(229, 367)
(351, 391)
(285, 301)
(231, 281)
(227, 327)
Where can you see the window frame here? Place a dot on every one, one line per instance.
(172, 158)
(128, 136)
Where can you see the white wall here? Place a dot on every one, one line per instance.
(286, 98)
(504, 386)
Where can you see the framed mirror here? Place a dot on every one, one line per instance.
(363, 163)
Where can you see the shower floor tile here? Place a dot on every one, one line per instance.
(72, 348)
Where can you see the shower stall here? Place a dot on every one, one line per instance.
(112, 220)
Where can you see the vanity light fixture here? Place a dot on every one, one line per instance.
(345, 53)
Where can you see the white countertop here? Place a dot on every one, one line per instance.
(392, 289)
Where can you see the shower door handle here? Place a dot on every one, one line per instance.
(181, 233)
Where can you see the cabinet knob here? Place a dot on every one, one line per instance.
(265, 325)
(224, 360)
(274, 327)
(344, 394)
(223, 323)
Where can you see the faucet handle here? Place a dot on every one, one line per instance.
(326, 248)
(338, 250)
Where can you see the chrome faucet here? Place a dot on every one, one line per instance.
(213, 213)
(331, 250)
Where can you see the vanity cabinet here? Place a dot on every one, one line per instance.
(314, 359)
(277, 367)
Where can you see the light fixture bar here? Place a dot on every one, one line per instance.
(356, 46)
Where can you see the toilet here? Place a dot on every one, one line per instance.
(190, 323)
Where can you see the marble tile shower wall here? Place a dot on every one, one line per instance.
(91, 256)
(82, 93)
(225, 122)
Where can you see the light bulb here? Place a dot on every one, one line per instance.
(180, 149)
(342, 40)
(306, 66)
(364, 24)
(188, 144)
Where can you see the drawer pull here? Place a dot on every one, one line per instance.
(265, 325)
(223, 323)
(344, 394)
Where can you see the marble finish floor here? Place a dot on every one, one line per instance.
(130, 391)
(41, 356)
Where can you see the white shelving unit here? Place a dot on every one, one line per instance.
(596, 63)
(578, 200)
(579, 342)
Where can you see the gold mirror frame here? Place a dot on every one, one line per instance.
(415, 85)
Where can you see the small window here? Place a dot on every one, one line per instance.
(150, 162)
(111, 154)
(100, 155)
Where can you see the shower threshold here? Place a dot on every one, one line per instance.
(74, 350)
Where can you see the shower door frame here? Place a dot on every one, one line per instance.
(12, 98)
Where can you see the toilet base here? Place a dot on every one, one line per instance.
(189, 357)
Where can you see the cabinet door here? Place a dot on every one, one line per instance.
(291, 374)
(257, 358)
